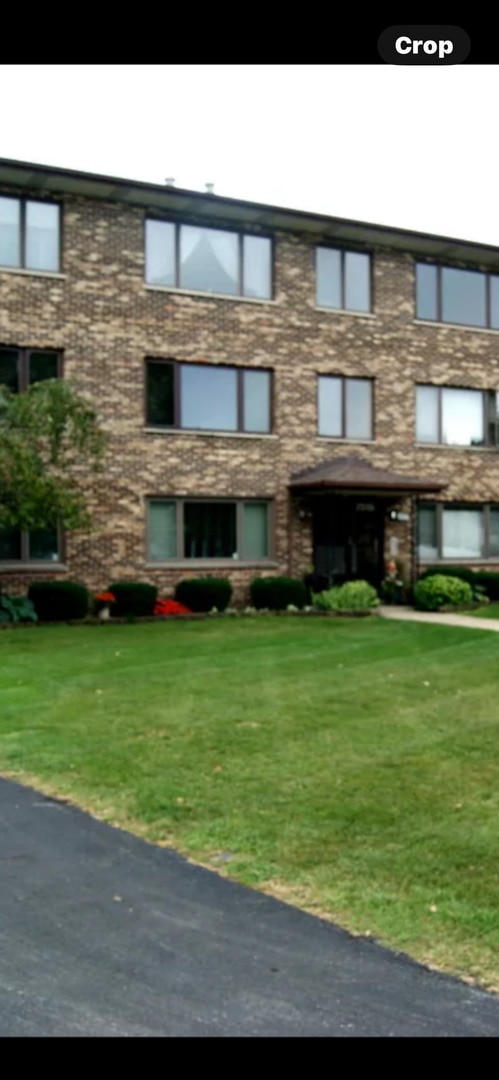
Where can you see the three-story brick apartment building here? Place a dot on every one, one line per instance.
(281, 389)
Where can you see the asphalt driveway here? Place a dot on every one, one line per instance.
(102, 934)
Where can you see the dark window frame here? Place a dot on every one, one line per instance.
(239, 503)
(240, 372)
(487, 397)
(23, 201)
(343, 252)
(344, 380)
(23, 363)
(439, 508)
(241, 234)
(439, 267)
(26, 560)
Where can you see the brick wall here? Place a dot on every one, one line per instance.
(106, 321)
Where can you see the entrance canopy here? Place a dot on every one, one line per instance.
(355, 475)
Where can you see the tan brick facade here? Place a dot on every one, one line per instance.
(106, 321)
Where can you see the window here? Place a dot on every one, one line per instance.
(29, 234)
(343, 279)
(345, 407)
(456, 417)
(42, 545)
(208, 260)
(20, 368)
(207, 397)
(467, 297)
(191, 529)
(457, 532)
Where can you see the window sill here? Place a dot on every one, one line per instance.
(213, 564)
(346, 311)
(209, 295)
(457, 446)
(33, 273)
(344, 439)
(465, 560)
(209, 434)
(456, 326)
(30, 567)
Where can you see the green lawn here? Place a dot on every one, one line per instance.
(489, 611)
(350, 767)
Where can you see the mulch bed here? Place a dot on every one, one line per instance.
(91, 620)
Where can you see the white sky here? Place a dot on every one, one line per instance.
(413, 147)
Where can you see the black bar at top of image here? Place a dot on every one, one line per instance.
(351, 40)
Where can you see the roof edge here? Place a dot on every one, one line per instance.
(20, 173)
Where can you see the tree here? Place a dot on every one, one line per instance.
(49, 439)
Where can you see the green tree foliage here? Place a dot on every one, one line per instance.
(49, 438)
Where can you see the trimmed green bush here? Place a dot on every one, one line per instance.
(204, 594)
(352, 596)
(133, 598)
(58, 601)
(440, 591)
(15, 609)
(462, 572)
(315, 583)
(276, 593)
(478, 579)
(489, 581)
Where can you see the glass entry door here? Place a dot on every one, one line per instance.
(348, 538)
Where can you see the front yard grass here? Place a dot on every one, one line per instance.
(350, 768)
(488, 611)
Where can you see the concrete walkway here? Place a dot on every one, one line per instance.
(408, 614)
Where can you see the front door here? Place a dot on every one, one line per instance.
(348, 538)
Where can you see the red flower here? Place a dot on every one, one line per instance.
(170, 607)
(106, 598)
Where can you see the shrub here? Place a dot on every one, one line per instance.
(440, 590)
(487, 580)
(392, 591)
(462, 572)
(204, 594)
(276, 593)
(58, 601)
(133, 598)
(15, 609)
(315, 583)
(480, 595)
(326, 601)
(352, 596)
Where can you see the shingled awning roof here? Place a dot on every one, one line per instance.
(354, 473)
